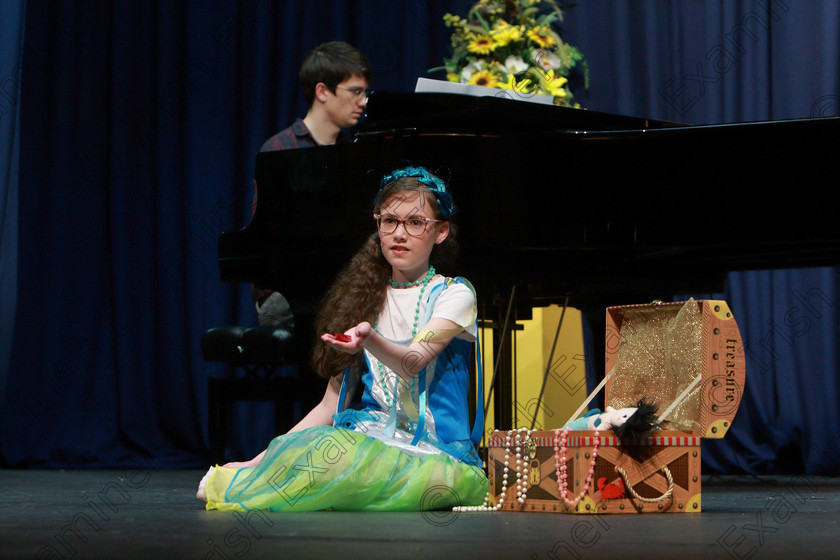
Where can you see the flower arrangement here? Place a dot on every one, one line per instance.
(512, 45)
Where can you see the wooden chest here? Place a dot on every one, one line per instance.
(686, 357)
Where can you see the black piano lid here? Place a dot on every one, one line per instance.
(451, 113)
(560, 204)
(584, 207)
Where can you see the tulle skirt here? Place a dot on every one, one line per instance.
(335, 468)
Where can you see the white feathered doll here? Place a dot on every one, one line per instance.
(631, 423)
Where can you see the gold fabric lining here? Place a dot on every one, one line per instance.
(659, 356)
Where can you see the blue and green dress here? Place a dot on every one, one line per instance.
(405, 446)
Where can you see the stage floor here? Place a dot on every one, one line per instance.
(154, 514)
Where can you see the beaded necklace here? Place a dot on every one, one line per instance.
(424, 280)
(519, 438)
(560, 465)
(421, 282)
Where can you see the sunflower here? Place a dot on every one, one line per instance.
(482, 44)
(504, 33)
(483, 78)
(540, 35)
(512, 45)
(470, 69)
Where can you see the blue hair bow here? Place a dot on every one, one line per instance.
(435, 184)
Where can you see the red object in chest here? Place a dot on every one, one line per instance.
(610, 491)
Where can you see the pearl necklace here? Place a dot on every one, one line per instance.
(424, 282)
(522, 469)
(560, 465)
(521, 473)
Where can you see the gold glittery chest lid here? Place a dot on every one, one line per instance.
(658, 350)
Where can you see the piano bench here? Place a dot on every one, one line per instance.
(259, 352)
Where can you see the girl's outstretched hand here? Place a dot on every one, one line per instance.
(352, 340)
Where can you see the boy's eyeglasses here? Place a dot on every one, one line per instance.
(358, 93)
(415, 226)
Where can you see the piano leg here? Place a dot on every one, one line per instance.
(594, 327)
(502, 380)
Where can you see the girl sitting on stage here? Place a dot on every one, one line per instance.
(404, 331)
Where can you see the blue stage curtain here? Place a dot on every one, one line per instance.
(791, 407)
(725, 62)
(139, 124)
(710, 62)
(11, 30)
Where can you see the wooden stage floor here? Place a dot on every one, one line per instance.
(154, 514)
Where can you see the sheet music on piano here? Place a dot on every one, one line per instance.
(426, 85)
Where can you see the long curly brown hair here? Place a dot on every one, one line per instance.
(358, 292)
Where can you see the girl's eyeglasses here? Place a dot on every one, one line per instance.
(415, 226)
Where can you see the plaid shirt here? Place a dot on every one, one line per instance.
(296, 136)
(292, 138)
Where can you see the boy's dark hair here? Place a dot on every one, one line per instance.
(332, 63)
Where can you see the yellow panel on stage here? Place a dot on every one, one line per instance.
(565, 387)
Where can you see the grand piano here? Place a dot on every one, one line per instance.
(556, 205)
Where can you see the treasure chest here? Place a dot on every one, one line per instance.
(686, 357)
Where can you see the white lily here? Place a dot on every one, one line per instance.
(469, 69)
(515, 64)
(546, 60)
